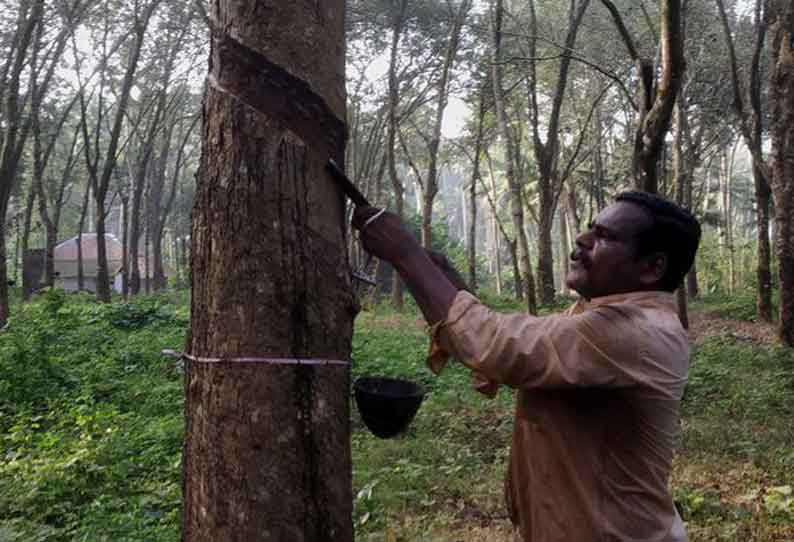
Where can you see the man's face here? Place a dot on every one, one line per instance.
(604, 261)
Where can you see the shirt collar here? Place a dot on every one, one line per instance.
(651, 298)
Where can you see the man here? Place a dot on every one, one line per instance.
(599, 387)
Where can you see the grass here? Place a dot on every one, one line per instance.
(91, 430)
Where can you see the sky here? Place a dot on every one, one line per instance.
(454, 116)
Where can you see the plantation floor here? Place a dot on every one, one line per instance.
(91, 430)
(734, 472)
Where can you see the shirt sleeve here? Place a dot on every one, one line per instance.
(601, 347)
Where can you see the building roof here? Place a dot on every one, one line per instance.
(65, 255)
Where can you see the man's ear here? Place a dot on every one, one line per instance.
(654, 268)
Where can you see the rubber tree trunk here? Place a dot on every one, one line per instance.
(391, 134)
(136, 219)
(125, 243)
(471, 210)
(763, 200)
(4, 304)
(679, 179)
(267, 446)
(782, 114)
(102, 271)
(525, 277)
(748, 109)
(27, 286)
(80, 228)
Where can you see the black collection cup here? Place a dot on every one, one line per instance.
(387, 405)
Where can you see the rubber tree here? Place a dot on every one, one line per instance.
(14, 128)
(527, 280)
(397, 25)
(781, 86)
(101, 159)
(267, 438)
(747, 107)
(658, 90)
(550, 181)
(457, 16)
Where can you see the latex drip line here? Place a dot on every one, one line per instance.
(266, 361)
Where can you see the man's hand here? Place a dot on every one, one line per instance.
(385, 236)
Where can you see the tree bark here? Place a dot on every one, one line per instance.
(398, 21)
(101, 180)
(267, 449)
(550, 182)
(125, 246)
(763, 200)
(80, 228)
(657, 97)
(27, 288)
(726, 174)
(4, 312)
(680, 170)
(747, 107)
(14, 133)
(496, 253)
(781, 44)
(564, 249)
(471, 239)
(525, 278)
(431, 182)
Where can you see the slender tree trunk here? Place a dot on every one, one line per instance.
(549, 180)
(471, 239)
(747, 106)
(4, 310)
(15, 129)
(431, 185)
(158, 271)
(546, 252)
(125, 247)
(657, 95)
(726, 172)
(267, 444)
(781, 38)
(156, 226)
(565, 248)
(136, 215)
(183, 255)
(679, 179)
(763, 198)
(693, 289)
(101, 182)
(102, 271)
(391, 136)
(496, 253)
(147, 266)
(80, 228)
(525, 277)
(27, 287)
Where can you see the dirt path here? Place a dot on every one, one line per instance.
(703, 326)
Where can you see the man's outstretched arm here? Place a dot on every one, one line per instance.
(389, 239)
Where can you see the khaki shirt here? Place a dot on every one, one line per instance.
(597, 413)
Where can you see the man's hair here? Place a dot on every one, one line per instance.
(674, 231)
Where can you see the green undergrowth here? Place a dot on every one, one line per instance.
(734, 476)
(91, 430)
(90, 420)
(739, 305)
